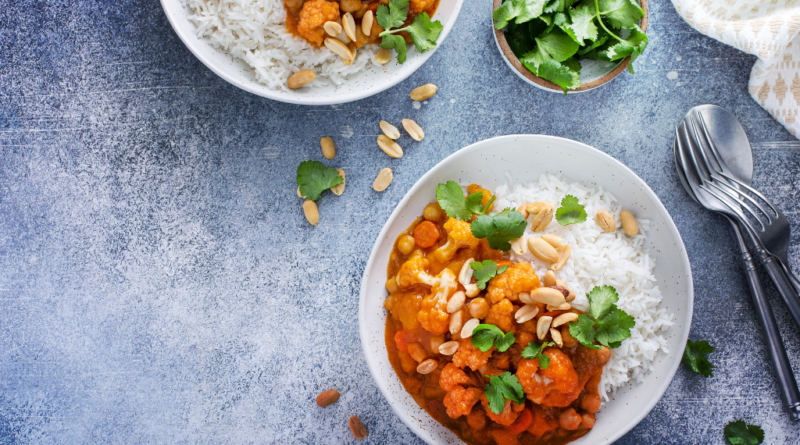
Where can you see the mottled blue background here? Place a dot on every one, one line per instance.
(159, 283)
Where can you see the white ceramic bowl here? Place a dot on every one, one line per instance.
(371, 81)
(526, 157)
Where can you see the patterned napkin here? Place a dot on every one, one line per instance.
(767, 29)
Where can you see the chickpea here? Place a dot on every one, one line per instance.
(391, 285)
(349, 5)
(567, 338)
(406, 244)
(417, 352)
(591, 403)
(588, 421)
(604, 355)
(570, 420)
(432, 212)
(479, 308)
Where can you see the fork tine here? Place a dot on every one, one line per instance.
(702, 171)
(706, 164)
(749, 198)
(740, 202)
(690, 169)
(753, 191)
(738, 211)
(710, 143)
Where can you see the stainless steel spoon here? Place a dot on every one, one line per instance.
(738, 156)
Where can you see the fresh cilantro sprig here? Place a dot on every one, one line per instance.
(314, 177)
(740, 433)
(502, 387)
(451, 199)
(570, 212)
(500, 228)
(486, 335)
(483, 271)
(422, 30)
(605, 323)
(694, 357)
(551, 37)
(535, 350)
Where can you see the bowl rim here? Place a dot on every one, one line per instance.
(401, 206)
(195, 46)
(511, 58)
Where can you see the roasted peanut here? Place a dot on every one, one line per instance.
(424, 92)
(383, 180)
(357, 428)
(549, 279)
(300, 78)
(328, 147)
(349, 25)
(383, 56)
(328, 397)
(389, 130)
(333, 29)
(339, 49)
(366, 22)
(542, 219)
(389, 146)
(338, 189)
(606, 221)
(563, 255)
(311, 212)
(553, 240)
(542, 250)
(413, 129)
(629, 224)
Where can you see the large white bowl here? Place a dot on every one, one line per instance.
(371, 81)
(526, 157)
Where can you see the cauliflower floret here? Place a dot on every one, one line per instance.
(542, 423)
(415, 271)
(501, 315)
(459, 401)
(433, 316)
(470, 356)
(451, 377)
(532, 383)
(561, 373)
(418, 6)
(520, 277)
(405, 308)
(475, 188)
(507, 416)
(459, 235)
(557, 385)
(313, 15)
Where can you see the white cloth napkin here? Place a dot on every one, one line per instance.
(767, 29)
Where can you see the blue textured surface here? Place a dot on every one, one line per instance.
(159, 283)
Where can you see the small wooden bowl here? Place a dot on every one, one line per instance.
(520, 70)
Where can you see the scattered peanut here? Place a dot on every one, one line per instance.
(428, 366)
(383, 180)
(549, 279)
(606, 221)
(424, 92)
(339, 188)
(357, 428)
(629, 224)
(542, 219)
(353, 50)
(542, 250)
(561, 307)
(456, 322)
(366, 22)
(328, 397)
(564, 291)
(544, 295)
(543, 326)
(553, 240)
(520, 245)
(526, 313)
(311, 211)
(390, 147)
(534, 208)
(389, 130)
(556, 338)
(333, 29)
(563, 256)
(413, 130)
(300, 78)
(565, 318)
(466, 331)
(456, 302)
(349, 25)
(298, 193)
(328, 147)
(449, 348)
(339, 49)
(383, 56)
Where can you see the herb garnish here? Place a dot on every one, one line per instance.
(483, 271)
(503, 387)
(694, 357)
(451, 199)
(550, 37)
(422, 30)
(740, 433)
(605, 323)
(534, 350)
(570, 212)
(500, 228)
(486, 335)
(314, 177)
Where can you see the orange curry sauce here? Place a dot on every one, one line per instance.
(304, 18)
(560, 400)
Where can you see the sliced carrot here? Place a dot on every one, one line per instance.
(400, 341)
(426, 234)
(523, 422)
(501, 263)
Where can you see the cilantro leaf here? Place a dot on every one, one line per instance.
(483, 271)
(394, 15)
(621, 13)
(583, 331)
(570, 212)
(740, 433)
(486, 335)
(605, 323)
(603, 300)
(314, 177)
(559, 74)
(397, 43)
(520, 11)
(615, 327)
(582, 25)
(499, 229)
(451, 199)
(558, 45)
(424, 32)
(633, 46)
(534, 350)
(502, 387)
(694, 357)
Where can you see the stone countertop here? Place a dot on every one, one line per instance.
(159, 283)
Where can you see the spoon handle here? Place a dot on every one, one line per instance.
(792, 277)
(783, 369)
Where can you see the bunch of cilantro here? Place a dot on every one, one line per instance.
(551, 37)
(422, 30)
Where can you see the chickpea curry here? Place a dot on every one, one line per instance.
(489, 354)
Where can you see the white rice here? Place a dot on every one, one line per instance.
(254, 31)
(599, 258)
